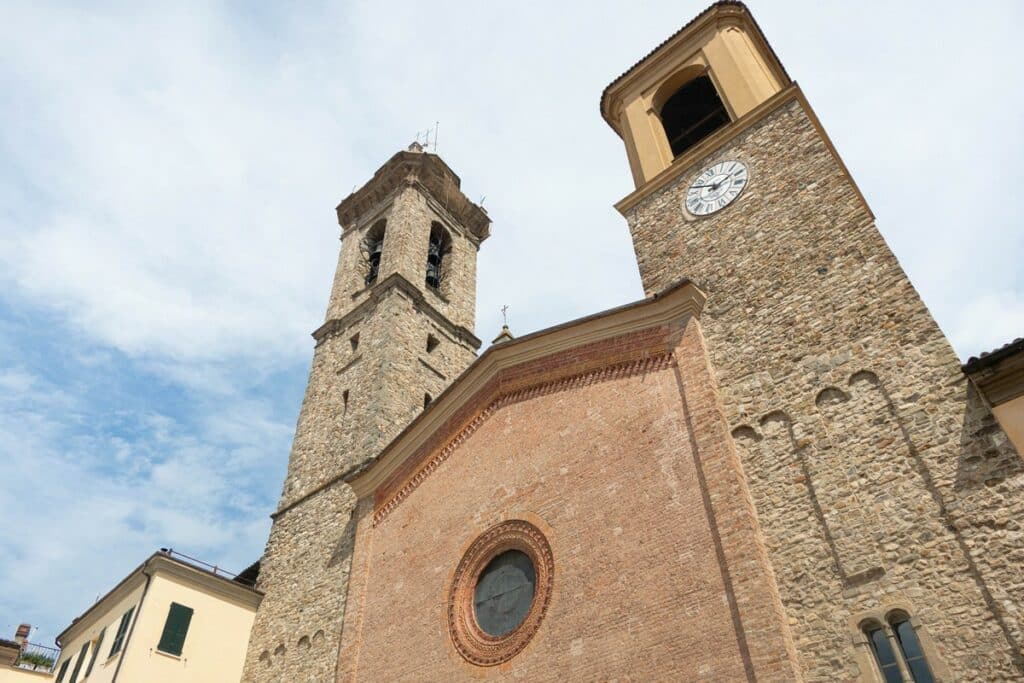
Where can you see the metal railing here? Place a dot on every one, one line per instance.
(37, 657)
(212, 568)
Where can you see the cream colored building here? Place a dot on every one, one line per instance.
(10, 672)
(168, 621)
(16, 664)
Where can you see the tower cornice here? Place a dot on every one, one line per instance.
(378, 291)
(719, 13)
(723, 54)
(432, 175)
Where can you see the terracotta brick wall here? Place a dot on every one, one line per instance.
(633, 480)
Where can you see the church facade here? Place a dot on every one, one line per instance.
(771, 468)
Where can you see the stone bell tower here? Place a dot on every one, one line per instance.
(398, 330)
(885, 492)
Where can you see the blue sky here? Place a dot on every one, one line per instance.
(167, 182)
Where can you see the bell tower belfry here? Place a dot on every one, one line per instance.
(875, 469)
(714, 71)
(398, 330)
(400, 316)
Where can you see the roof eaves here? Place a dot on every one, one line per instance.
(696, 19)
(989, 358)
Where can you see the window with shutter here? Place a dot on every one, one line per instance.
(122, 629)
(95, 651)
(172, 640)
(78, 664)
(63, 670)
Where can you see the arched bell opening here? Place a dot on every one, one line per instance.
(690, 111)
(438, 248)
(372, 248)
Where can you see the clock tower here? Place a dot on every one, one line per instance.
(887, 496)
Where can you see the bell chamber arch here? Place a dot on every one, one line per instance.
(690, 109)
(439, 245)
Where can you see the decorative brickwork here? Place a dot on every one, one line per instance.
(724, 499)
(475, 646)
(626, 369)
(632, 479)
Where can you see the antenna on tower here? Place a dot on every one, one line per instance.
(426, 137)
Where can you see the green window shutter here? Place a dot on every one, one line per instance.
(122, 628)
(78, 664)
(95, 651)
(63, 670)
(175, 629)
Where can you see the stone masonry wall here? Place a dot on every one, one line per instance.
(369, 377)
(879, 477)
(304, 573)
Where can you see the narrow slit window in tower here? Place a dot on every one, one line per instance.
(354, 341)
(344, 399)
(432, 343)
(426, 400)
(692, 113)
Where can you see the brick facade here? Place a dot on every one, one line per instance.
(618, 451)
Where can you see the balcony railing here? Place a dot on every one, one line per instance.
(37, 657)
(212, 568)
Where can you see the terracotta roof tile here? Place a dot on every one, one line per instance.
(987, 358)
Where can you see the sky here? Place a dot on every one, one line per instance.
(168, 178)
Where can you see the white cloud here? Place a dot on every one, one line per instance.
(167, 182)
(186, 158)
(90, 505)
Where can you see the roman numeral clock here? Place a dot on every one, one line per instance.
(715, 188)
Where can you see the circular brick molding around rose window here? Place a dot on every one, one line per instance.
(474, 644)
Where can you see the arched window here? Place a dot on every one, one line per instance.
(897, 649)
(373, 245)
(437, 250)
(691, 113)
(885, 657)
(910, 647)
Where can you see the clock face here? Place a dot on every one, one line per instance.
(716, 187)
